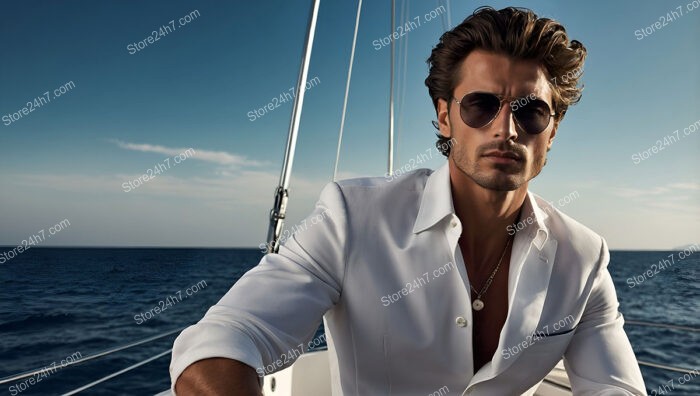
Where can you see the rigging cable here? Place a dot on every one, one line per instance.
(402, 84)
(279, 209)
(347, 90)
(390, 164)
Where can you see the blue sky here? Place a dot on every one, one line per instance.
(193, 88)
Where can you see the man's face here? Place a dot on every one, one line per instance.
(478, 152)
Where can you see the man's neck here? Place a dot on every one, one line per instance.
(485, 215)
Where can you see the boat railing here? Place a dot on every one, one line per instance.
(98, 355)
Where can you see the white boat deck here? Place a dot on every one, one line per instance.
(310, 376)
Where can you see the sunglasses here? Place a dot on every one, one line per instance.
(479, 109)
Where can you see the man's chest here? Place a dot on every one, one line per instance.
(489, 301)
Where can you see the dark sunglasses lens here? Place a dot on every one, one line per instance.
(478, 109)
(534, 116)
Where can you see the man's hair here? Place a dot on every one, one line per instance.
(518, 33)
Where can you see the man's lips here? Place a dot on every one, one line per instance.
(503, 155)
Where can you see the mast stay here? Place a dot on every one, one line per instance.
(279, 210)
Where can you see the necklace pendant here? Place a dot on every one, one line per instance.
(478, 305)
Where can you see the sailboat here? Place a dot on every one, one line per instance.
(310, 374)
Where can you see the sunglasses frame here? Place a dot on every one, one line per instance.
(502, 99)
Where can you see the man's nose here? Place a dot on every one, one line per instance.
(504, 126)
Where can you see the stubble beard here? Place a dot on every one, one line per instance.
(500, 177)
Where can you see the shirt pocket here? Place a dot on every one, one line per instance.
(550, 346)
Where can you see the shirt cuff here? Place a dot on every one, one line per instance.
(208, 340)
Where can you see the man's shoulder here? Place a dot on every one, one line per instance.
(414, 180)
(386, 198)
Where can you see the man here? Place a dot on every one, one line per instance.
(455, 279)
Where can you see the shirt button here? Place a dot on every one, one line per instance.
(461, 322)
(453, 223)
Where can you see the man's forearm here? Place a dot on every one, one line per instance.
(218, 376)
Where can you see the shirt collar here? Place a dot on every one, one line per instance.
(532, 220)
(436, 203)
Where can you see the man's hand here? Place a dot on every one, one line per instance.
(218, 376)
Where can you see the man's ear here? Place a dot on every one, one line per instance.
(557, 121)
(551, 136)
(444, 118)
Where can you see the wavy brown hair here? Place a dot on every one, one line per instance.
(516, 32)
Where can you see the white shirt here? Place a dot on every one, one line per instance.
(365, 242)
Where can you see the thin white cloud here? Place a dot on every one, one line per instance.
(639, 193)
(217, 157)
(671, 198)
(241, 188)
(670, 191)
(685, 186)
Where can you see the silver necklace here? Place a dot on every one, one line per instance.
(478, 303)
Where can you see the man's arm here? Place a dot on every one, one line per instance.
(218, 376)
(600, 359)
(266, 319)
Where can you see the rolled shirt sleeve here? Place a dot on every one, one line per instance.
(276, 306)
(600, 359)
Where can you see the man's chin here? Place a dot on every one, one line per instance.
(503, 186)
(500, 182)
(513, 168)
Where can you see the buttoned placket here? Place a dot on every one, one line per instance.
(523, 242)
(463, 319)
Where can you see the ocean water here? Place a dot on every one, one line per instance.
(60, 303)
